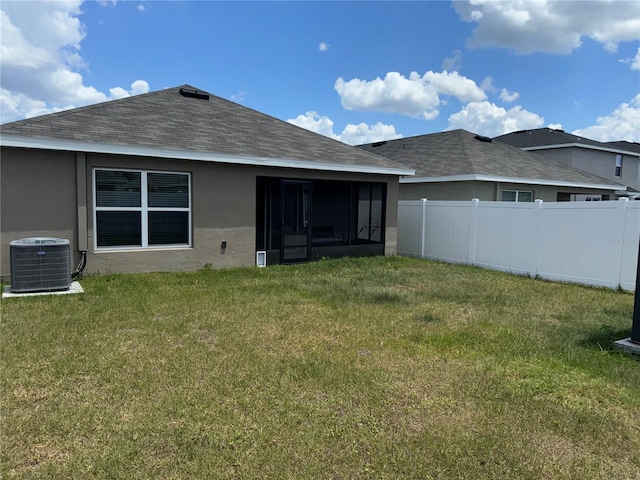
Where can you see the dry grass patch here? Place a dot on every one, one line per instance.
(372, 368)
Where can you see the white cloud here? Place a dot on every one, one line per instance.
(454, 62)
(32, 37)
(141, 8)
(363, 133)
(40, 58)
(14, 106)
(455, 85)
(352, 134)
(549, 26)
(555, 126)
(323, 46)
(488, 119)
(622, 124)
(488, 86)
(416, 96)
(118, 92)
(635, 61)
(239, 97)
(314, 122)
(635, 64)
(137, 87)
(507, 96)
(394, 94)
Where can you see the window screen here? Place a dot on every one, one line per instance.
(117, 189)
(517, 196)
(618, 172)
(123, 199)
(168, 190)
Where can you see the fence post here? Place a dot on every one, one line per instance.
(423, 226)
(535, 255)
(635, 328)
(473, 231)
(622, 216)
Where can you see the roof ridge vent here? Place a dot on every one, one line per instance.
(378, 144)
(482, 138)
(193, 93)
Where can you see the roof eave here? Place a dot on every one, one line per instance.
(500, 179)
(581, 145)
(88, 147)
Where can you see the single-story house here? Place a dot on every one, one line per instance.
(178, 179)
(459, 165)
(615, 161)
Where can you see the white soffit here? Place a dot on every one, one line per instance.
(111, 149)
(581, 145)
(498, 179)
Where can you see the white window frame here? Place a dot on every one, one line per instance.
(618, 172)
(517, 192)
(144, 210)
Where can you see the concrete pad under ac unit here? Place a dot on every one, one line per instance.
(75, 287)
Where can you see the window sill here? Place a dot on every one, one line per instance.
(142, 249)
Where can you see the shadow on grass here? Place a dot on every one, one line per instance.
(426, 318)
(603, 338)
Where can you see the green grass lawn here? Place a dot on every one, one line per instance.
(385, 368)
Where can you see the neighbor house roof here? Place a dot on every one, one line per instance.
(186, 123)
(546, 138)
(624, 145)
(459, 155)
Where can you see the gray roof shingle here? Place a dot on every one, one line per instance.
(459, 152)
(168, 120)
(544, 137)
(624, 145)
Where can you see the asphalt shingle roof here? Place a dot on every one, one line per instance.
(459, 152)
(168, 120)
(624, 145)
(544, 136)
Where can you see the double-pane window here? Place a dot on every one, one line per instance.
(517, 196)
(618, 165)
(141, 209)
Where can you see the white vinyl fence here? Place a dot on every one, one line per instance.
(592, 243)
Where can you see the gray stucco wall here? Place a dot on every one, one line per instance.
(38, 198)
(562, 155)
(599, 163)
(550, 193)
(448, 191)
(630, 171)
(486, 191)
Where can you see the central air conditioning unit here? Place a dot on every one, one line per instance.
(40, 264)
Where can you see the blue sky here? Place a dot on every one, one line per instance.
(356, 71)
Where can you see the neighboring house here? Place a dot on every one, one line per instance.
(459, 165)
(178, 179)
(617, 161)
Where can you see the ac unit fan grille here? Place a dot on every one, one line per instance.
(40, 264)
